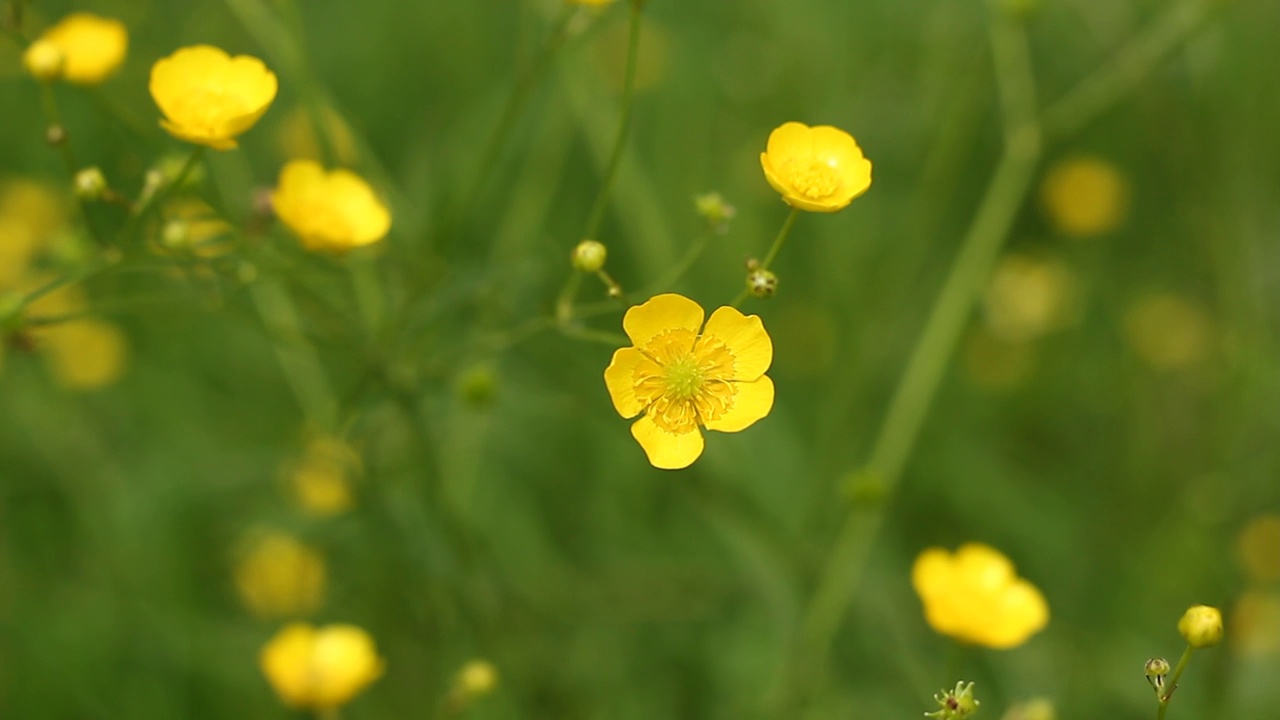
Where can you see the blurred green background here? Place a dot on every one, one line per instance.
(503, 510)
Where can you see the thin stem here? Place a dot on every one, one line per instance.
(1171, 684)
(302, 368)
(511, 111)
(1126, 70)
(774, 249)
(624, 125)
(564, 301)
(678, 270)
(929, 359)
(367, 286)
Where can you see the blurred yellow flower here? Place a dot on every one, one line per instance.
(329, 211)
(591, 3)
(279, 576)
(1201, 626)
(682, 379)
(320, 668)
(975, 596)
(1258, 547)
(320, 480)
(92, 47)
(1084, 196)
(476, 678)
(1168, 332)
(820, 169)
(44, 61)
(84, 354)
(1035, 709)
(1255, 624)
(1028, 297)
(209, 97)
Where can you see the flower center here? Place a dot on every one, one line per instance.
(684, 378)
(690, 384)
(814, 179)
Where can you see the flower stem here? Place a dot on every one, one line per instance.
(1171, 684)
(302, 368)
(774, 249)
(928, 362)
(624, 125)
(511, 111)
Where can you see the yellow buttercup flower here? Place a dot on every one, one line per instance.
(1201, 626)
(1255, 624)
(209, 97)
(329, 211)
(92, 47)
(44, 61)
(1084, 196)
(975, 596)
(84, 354)
(682, 379)
(279, 576)
(320, 480)
(1168, 332)
(1028, 297)
(320, 668)
(819, 169)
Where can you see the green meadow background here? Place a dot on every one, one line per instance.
(506, 513)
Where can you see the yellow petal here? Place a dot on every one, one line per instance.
(982, 566)
(746, 339)
(1021, 611)
(790, 140)
(619, 378)
(659, 314)
(667, 450)
(285, 660)
(839, 150)
(752, 401)
(931, 572)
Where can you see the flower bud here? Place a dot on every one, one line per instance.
(44, 60)
(1157, 669)
(478, 386)
(90, 183)
(761, 283)
(476, 678)
(589, 256)
(175, 234)
(1201, 626)
(955, 704)
(55, 135)
(715, 210)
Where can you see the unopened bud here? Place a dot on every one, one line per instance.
(175, 234)
(712, 207)
(955, 704)
(762, 283)
(44, 60)
(1156, 670)
(55, 135)
(476, 678)
(90, 184)
(589, 256)
(478, 386)
(1201, 626)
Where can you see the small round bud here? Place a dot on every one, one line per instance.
(762, 283)
(589, 256)
(175, 234)
(90, 184)
(1201, 626)
(478, 386)
(715, 211)
(752, 264)
(44, 60)
(55, 135)
(1157, 667)
(477, 678)
(614, 292)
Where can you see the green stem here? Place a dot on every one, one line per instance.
(511, 111)
(1171, 683)
(1130, 66)
(624, 125)
(927, 365)
(774, 249)
(302, 368)
(368, 291)
(564, 301)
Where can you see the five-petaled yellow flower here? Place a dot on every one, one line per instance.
(819, 169)
(92, 47)
(209, 97)
(320, 668)
(681, 379)
(329, 211)
(974, 596)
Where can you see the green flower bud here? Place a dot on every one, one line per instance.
(589, 256)
(956, 704)
(55, 135)
(1201, 626)
(478, 386)
(90, 184)
(762, 283)
(715, 211)
(1157, 669)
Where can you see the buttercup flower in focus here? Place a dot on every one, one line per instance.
(974, 596)
(819, 169)
(209, 97)
(329, 211)
(320, 668)
(681, 379)
(92, 47)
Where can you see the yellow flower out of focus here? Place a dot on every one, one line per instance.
(1201, 626)
(819, 169)
(209, 97)
(1084, 196)
(92, 47)
(1028, 297)
(320, 480)
(44, 60)
(279, 576)
(320, 668)
(1255, 624)
(680, 378)
(329, 211)
(591, 3)
(1258, 547)
(974, 596)
(1168, 332)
